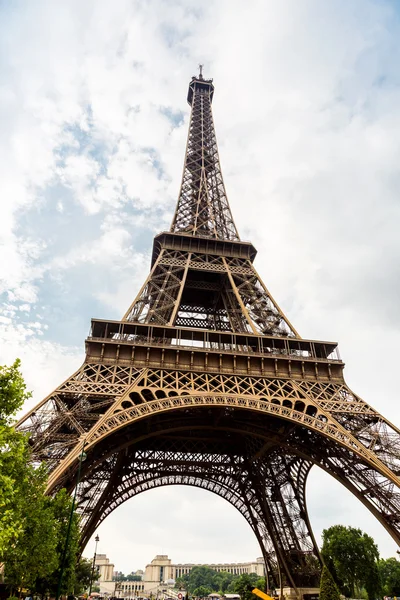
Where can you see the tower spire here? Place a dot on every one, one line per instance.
(203, 209)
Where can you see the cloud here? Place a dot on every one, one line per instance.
(45, 364)
(94, 123)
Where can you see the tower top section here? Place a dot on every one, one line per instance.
(200, 85)
(203, 209)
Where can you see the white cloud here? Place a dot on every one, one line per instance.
(306, 109)
(45, 364)
(80, 174)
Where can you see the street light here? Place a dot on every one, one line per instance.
(96, 539)
(82, 457)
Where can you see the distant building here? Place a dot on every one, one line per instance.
(161, 568)
(104, 567)
(161, 573)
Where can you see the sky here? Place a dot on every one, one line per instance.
(94, 120)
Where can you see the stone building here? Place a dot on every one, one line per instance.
(106, 574)
(104, 567)
(161, 568)
(161, 574)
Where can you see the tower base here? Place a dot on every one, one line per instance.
(290, 593)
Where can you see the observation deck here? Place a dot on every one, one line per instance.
(217, 351)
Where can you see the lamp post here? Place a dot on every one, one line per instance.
(82, 457)
(96, 539)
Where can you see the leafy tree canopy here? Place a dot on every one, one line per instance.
(13, 392)
(33, 553)
(352, 558)
(207, 579)
(14, 475)
(32, 525)
(201, 591)
(244, 585)
(61, 506)
(389, 572)
(131, 577)
(83, 575)
(201, 577)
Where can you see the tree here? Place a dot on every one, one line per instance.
(351, 557)
(32, 525)
(27, 527)
(201, 592)
(34, 560)
(261, 583)
(200, 577)
(244, 585)
(389, 571)
(62, 507)
(133, 577)
(222, 581)
(328, 587)
(62, 512)
(33, 554)
(13, 456)
(181, 582)
(83, 576)
(205, 578)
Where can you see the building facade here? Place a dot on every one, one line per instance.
(162, 568)
(104, 567)
(160, 574)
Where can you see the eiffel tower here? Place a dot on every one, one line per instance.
(205, 382)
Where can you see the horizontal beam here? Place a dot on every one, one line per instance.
(128, 331)
(204, 245)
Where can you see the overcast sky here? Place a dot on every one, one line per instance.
(93, 127)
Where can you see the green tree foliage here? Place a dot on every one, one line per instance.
(27, 527)
(83, 575)
(200, 577)
(33, 561)
(181, 583)
(352, 558)
(201, 591)
(130, 577)
(206, 579)
(328, 587)
(389, 572)
(14, 477)
(244, 584)
(61, 506)
(32, 525)
(33, 553)
(222, 581)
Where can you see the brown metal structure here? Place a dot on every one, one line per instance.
(205, 382)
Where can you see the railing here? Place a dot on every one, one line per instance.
(222, 342)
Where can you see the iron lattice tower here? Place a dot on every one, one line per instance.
(205, 382)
